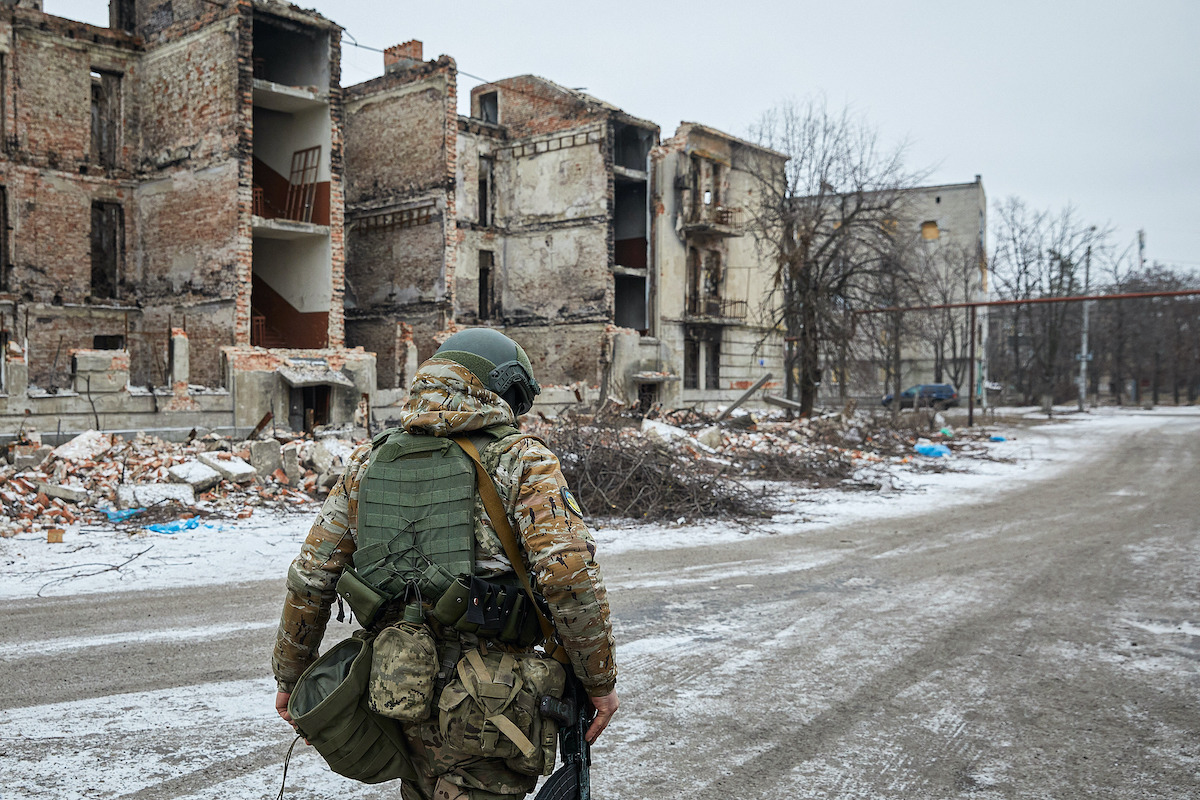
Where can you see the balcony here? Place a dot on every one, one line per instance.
(716, 309)
(711, 220)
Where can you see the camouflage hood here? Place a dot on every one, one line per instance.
(446, 399)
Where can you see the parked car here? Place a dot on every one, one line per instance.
(935, 395)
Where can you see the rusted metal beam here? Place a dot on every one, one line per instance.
(749, 392)
(1034, 300)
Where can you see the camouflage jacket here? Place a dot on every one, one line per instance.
(447, 400)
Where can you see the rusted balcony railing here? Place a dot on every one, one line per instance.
(717, 308)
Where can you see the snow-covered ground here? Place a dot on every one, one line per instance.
(103, 558)
(163, 734)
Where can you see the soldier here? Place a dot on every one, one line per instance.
(478, 382)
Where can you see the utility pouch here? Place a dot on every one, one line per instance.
(491, 709)
(330, 709)
(403, 667)
(364, 601)
(450, 607)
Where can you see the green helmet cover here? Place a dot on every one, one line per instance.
(500, 364)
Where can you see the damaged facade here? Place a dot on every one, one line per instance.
(172, 249)
(620, 262)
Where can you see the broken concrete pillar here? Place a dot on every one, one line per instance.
(179, 358)
(290, 454)
(230, 466)
(16, 371)
(200, 477)
(265, 456)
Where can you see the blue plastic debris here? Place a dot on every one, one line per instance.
(933, 450)
(997, 439)
(176, 526)
(120, 516)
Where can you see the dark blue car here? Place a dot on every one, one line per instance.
(933, 395)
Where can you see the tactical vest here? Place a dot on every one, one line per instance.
(416, 518)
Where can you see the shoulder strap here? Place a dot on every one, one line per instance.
(499, 518)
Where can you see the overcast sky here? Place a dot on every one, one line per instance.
(1095, 104)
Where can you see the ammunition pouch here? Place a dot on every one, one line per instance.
(364, 600)
(492, 709)
(489, 610)
(330, 709)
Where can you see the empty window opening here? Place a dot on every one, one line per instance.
(631, 147)
(5, 262)
(647, 397)
(106, 118)
(712, 365)
(108, 342)
(630, 211)
(631, 302)
(714, 197)
(489, 107)
(308, 407)
(487, 279)
(929, 230)
(290, 53)
(486, 171)
(4, 102)
(291, 292)
(691, 364)
(123, 15)
(108, 247)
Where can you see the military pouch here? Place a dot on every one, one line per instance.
(488, 610)
(403, 668)
(492, 709)
(364, 601)
(329, 707)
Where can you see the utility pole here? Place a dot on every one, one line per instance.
(1084, 355)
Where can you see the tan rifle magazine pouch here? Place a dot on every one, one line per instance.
(330, 709)
(403, 667)
(491, 709)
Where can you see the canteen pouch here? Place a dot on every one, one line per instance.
(364, 601)
(329, 707)
(491, 709)
(403, 668)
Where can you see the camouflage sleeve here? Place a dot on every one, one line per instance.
(313, 576)
(561, 555)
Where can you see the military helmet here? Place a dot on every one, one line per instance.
(499, 363)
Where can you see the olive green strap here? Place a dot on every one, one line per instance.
(499, 518)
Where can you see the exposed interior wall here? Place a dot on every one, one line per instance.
(298, 269)
(401, 237)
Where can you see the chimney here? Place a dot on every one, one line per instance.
(402, 56)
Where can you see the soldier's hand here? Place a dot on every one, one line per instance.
(606, 706)
(281, 701)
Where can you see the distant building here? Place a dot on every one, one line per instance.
(942, 242)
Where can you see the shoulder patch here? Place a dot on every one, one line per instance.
(570, 502)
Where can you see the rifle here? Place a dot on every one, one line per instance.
(573, 713)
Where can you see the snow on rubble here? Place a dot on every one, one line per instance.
(125, 525)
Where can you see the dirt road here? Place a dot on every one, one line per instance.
(1044, 645)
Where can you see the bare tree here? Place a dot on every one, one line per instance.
(828, 223)
(1041, 255)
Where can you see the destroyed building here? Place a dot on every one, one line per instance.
(171, 241)
(619, 261)
(941, 232)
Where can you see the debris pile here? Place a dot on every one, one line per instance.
(145, 481)
(684, 464)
